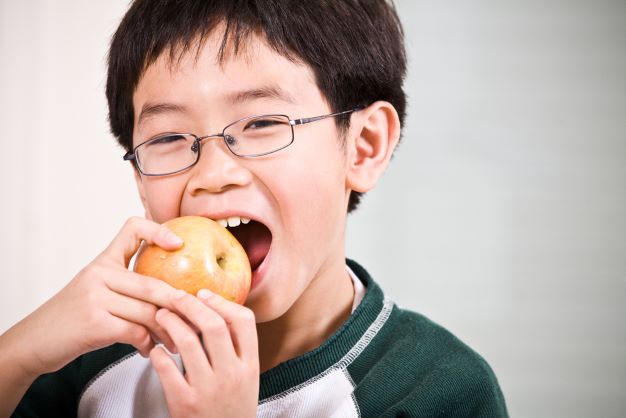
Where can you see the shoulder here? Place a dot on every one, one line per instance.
(414, 367)
(432, 371)
(429, 344)
(435, 351)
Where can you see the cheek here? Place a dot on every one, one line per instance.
(163, 197)
(310, 190)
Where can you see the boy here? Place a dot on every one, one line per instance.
(272, 118)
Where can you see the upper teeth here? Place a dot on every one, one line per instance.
(233, 221)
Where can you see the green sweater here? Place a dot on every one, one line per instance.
(383, 362)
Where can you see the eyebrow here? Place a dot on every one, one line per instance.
(149, 110)
(264, 92)
(154, 109)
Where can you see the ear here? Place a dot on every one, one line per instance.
(373, 136)
(142, 193)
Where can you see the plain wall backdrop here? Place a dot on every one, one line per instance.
(502, 216)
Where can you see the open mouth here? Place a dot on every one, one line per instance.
(254, 237)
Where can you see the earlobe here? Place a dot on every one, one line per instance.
(375, 134)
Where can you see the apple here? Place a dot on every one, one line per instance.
(210, 258)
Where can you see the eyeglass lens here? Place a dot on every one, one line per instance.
(253, 136)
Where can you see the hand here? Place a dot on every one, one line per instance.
(221, 364)
(104, 304)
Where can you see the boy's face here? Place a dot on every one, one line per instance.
(299, 193)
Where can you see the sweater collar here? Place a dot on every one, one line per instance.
(297, 371)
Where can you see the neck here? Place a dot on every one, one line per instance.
(317, 314)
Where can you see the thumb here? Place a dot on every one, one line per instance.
(136, 230)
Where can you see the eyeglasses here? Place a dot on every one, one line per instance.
(253, 136)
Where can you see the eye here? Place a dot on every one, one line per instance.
(167, 139)
(262, 123)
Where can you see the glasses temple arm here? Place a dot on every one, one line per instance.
(316, 118)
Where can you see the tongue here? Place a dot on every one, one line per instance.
(256, 239)
(257, 250)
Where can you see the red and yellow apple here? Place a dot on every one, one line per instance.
(210, 258)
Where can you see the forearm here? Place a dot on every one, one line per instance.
(15, 379)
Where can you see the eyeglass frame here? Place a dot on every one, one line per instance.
(196, 146)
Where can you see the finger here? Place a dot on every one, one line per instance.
(241, 321)
(149, 289)
(133, 334)
(216, 335)
(188, 345)
(141, 313)
(136, 230)
(172, 379)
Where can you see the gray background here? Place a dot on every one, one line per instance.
(501, 216)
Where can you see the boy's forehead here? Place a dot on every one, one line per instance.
(254, 71)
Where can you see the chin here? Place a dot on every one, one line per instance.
(266, 309)
(268, 304)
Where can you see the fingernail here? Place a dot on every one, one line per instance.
(205, 293)
(178, 294)
(160, 314)
(174, 239)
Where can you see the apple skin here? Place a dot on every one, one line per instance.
(210, 258)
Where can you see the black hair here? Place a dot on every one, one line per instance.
(355, 48)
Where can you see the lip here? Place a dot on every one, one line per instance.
(230, 213)
(241, 213)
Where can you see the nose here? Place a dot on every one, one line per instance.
(218, 169)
